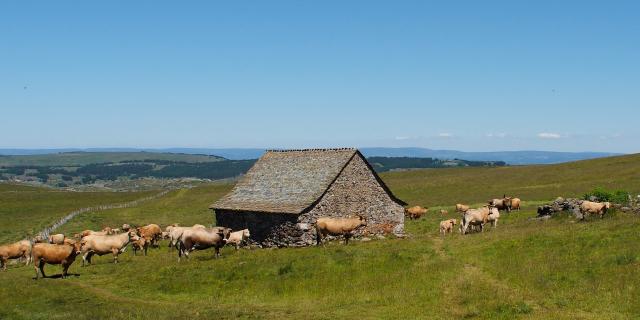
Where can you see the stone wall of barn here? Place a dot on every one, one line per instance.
(267, 229)
(357, 191)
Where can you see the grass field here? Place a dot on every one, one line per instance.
(555, 269)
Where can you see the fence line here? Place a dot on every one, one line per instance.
(44, 234)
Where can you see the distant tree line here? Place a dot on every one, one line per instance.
(383, 164)
(216, 170)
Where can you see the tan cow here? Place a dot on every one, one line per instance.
(238, 238)
(501, 204)
(202, 238)
(101, 245)
(86, 233)
(151, 232)
(20, 249)
(599, 208)
(56, 238)
(139, 243)
(338, 227)
(415, 212)
(474, 217)
(446, 226)
(175, 233)
(63, 254)
(444, 212)
(515, 204)
(462, 208)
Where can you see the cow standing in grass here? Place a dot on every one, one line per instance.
(20, 249)
(345, 227)
(63, 254)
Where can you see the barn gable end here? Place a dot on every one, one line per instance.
(282, 196)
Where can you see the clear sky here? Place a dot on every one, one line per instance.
(467, 75)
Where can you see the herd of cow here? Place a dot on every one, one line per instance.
(472, 219)
(62, 250)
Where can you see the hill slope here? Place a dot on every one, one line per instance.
(555, 269)
(537, 182)
(84, 158)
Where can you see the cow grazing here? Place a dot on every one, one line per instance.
(56, 238)
(151, 232)
(238, 238)
(415, 212)
(599, 208)
(446, 226)
(462, 208)
(63, 254)
(101, 245)
(139, 243)
(20, 249)
(201, 239)
(338, 227)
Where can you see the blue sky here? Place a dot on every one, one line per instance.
(467, 75)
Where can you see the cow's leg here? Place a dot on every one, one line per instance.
(41, 266)
(145, 250)
(217, 250)
(3, 263)
(346, 238)
(115, 255)
(65, 268)
(35, 267)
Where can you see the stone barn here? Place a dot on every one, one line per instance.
(286, 191)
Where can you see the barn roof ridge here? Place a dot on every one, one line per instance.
(290, 181)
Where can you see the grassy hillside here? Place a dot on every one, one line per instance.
(84, 158)
(25, 210)
(555, 269)
(542, 182)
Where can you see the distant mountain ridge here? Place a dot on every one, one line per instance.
(510, 157)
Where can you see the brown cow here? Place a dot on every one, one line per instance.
(151, 232)
(238, 238)
(462, 208)
(202, 238)
(56, 238)
(20, 249)
(338, 227)
(515, 204)
(139, 243)
(64, 254)
(446, 226)
(501, 204)
(594, 208)
(415, 212)
(101, 245)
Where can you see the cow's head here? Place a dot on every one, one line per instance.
(363, 220)
(453, 221)
(246, 233)
(607, 205)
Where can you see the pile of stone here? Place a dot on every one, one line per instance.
(561, 204)
(632, 206)
(572, 205)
